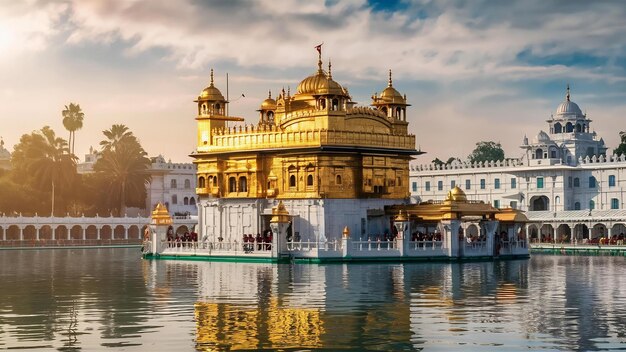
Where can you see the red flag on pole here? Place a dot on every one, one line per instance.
(319, 48)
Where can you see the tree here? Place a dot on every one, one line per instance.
(123, 169)
(621, 149)
(44, 160)
(72, 121)
(115, 135)
(486, 151)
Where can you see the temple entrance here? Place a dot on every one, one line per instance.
(539, 203)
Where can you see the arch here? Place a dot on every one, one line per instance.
(91, 232)
(581, 232)
(232, 184)
(384, 110)
(547, 233)
(539, 153)
(174, 199)
(592, 182)
(335, 104)
(243, 184)
(539, 203)
(322, 103)
(187, 183)
(186, 201)
(217, 107)
(598, 230)
(180, 230)
(29, 232)
(557, 200)
(309, 180)
(270, 116)
(192, 201)
(106, 232)
(578, 128)
(292, 181)
(61, 233)
(338, 179)
(13, 232)
(119, 232)
(569, 127)
(212, 180)
(201, 182)
(472, 231)
(173, 183)
(133, 232)
(618, 229)
(558, 128)
(563, 233)
(398, 113)
(76, 232)
(552, 153)
(45, 232)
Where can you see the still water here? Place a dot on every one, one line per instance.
(110, 299)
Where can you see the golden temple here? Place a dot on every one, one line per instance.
(315, 143)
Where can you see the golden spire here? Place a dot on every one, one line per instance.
(567, 95)
(269, 95)
(390, 81)
(211, 78)
(330, 75)
(319, 58)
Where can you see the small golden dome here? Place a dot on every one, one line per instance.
(211, 92)
(269, 103)
(456, 195)
(391, 95)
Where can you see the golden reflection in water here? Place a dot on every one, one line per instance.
(506, 293)
(232, 327)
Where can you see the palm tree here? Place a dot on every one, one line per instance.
(73, 121)
(50, 161)
(115, 135)
(123, 165)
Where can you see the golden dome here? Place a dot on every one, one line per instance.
(320, 83)
(211, 93)
(391, 95)
(456, 195)
(160, 215)
(269, 103)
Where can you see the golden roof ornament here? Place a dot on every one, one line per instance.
(346, 232)
(280, 214)
(211, 85)
(160, 215)
(330, 74)
(567, 94)
(402, 216)
(456, 195)
(390, 83)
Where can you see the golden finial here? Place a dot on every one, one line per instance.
(269, 94)
(567, 95)
(319, 57)
(390, 81)
(330, 75)
(211, 77)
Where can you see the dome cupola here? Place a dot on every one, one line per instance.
(320, 83)
(568, 107)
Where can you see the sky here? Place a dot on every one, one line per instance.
(481, 70)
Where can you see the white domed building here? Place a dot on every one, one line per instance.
(565, 181)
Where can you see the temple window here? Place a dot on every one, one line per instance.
(243, 184)
(569, 127)
(398, 113)
(201, 182)
(309, 180)
(576, 182)
(186, 201)
(335, 104)
(173, 184)
(611, 180)
(192, 201)
(292, 181)
(558, 128)
(232, 184)
(384, 110)
(174, 199)
(578, 128)
(539, 153)
(322, 103)
(187, 183)
(338, 179)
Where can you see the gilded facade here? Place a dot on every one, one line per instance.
(314, 144)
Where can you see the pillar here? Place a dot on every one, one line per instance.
(345, 242)
(490, 228)
(401, 222)
(125, 232)
(37, 233)
(98, 233)
(21, 233)
(84, 230)
(451, 237)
